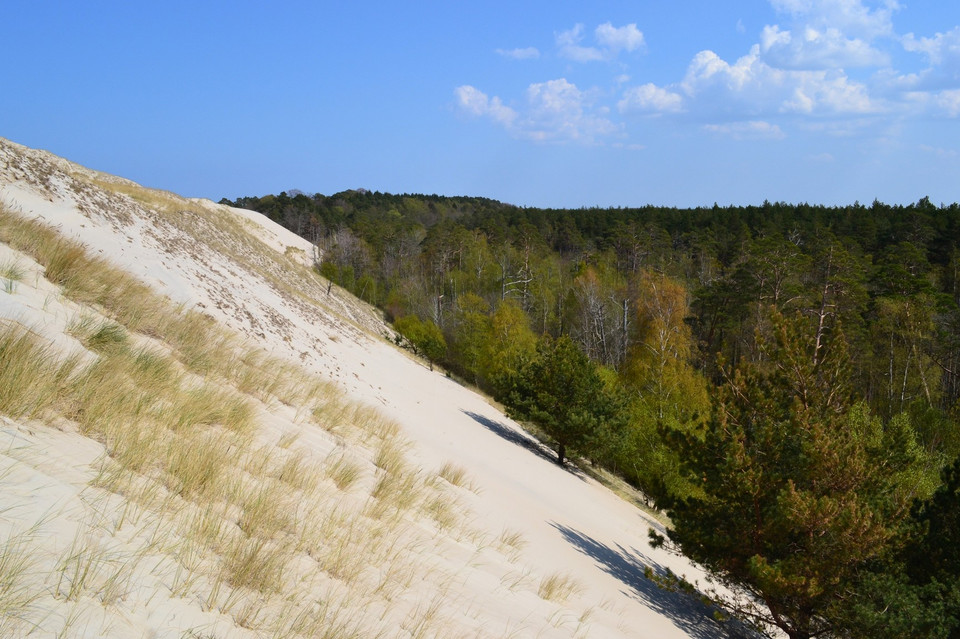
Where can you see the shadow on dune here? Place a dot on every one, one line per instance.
(520, 439)
(688, 612)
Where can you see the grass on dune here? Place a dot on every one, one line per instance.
(558, 587)
(250, 526)
(268, 510)
(19, 590)
(456, 475)
(194, 337)
(11, 272)
(32, 375)
(99, 336)
(342, 470)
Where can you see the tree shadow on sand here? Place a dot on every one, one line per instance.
(521, 439)
(686, 610)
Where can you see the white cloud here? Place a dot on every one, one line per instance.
(940, 49)
(569, 45)
(558, 110)
(754, 130)
(828, 34)
(476, 103)
(650, 98)
(948, 102)
(555, 111)
(751, 87)
(847, 127)
(850, 17)
(528, 53)
(627, 38)
(817, 49)
(827, 91)
(747, 81)
(935, 85)
(943, 54)
(772, 37)
(611, 41)
(827, 67)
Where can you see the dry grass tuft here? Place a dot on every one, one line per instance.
(455, 475)
(395, 493)
(207, 405)
(558, 587)
(107, 338)
(390, 456)
(299, 472)
(511, 543)
(442, 509)
(31, 376)
(344, 471)
(197, 462)
(256, 564)
(268, 510)
(12, 270)
(19, 591)
(89, 567)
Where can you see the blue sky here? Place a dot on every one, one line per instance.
(541, 103)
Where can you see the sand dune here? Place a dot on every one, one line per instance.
(456, 524)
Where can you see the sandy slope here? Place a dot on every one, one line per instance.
(571, 523)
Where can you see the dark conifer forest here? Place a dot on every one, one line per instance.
(783, 379)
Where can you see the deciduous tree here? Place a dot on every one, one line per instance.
(424, 337)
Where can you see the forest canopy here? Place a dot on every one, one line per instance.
(890, 275)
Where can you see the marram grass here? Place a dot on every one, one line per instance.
(31, 374)
(254, 534)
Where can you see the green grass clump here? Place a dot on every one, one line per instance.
(107, 337)
(11, 272)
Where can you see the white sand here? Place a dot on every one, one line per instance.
(571, 524)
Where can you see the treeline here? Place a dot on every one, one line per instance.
(797, 363)
(889, 274)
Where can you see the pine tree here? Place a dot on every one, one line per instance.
(563, 393)
(802, 487)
